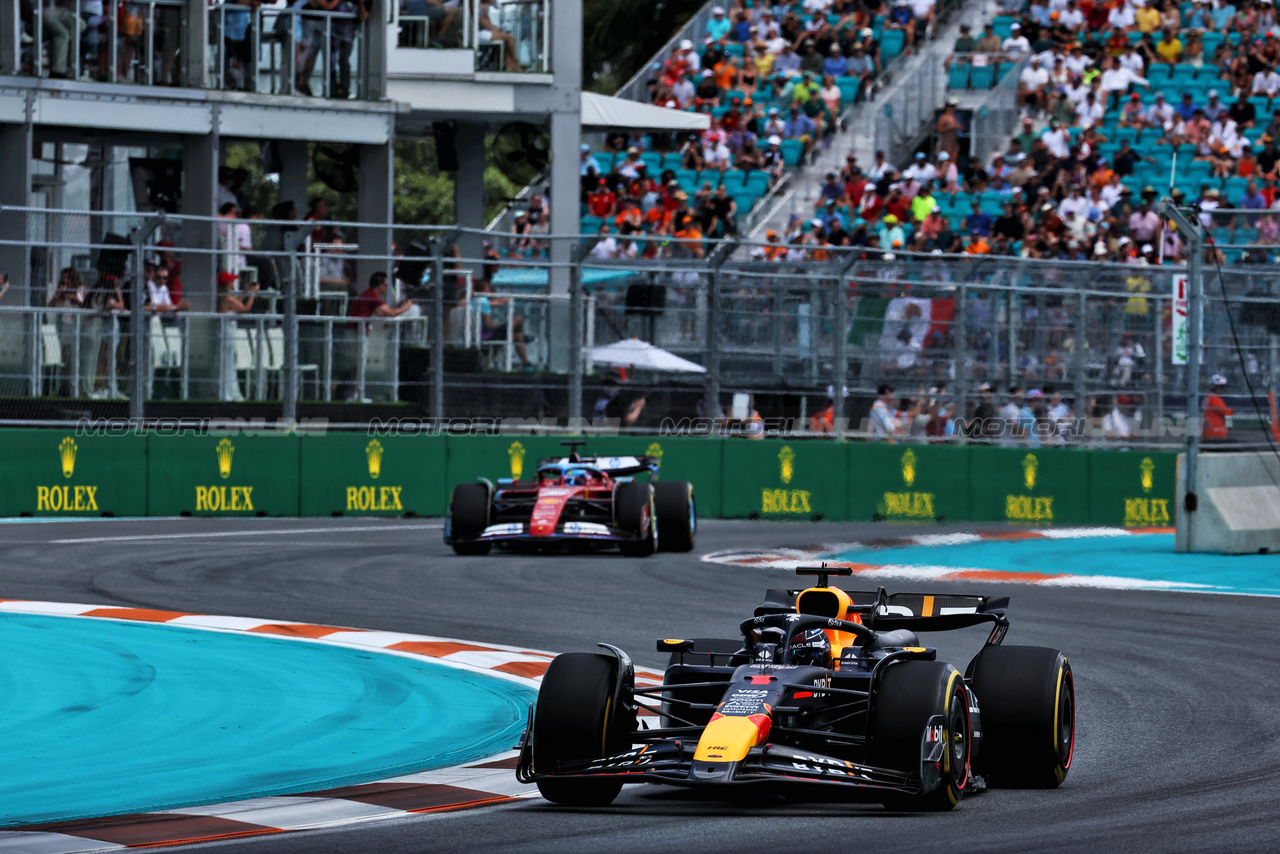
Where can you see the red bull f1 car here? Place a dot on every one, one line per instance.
(826, 688)
(575, 502)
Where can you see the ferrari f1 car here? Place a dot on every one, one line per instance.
(582, 501)
(827, 688)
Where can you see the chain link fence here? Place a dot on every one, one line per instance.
(1090, 346)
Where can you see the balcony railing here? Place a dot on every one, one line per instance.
(283, 51)
(271, 50)
(511, 36)
(109, 41)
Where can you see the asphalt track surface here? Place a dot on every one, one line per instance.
(1178, 737)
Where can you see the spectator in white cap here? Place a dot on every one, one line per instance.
(948, 175)
(587, 165)
(692, 59)
(1033, 86)
(1216, 411)
(1016, 45)
(718, 27)
(1215, 108)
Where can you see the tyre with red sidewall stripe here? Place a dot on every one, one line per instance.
(1026, 695)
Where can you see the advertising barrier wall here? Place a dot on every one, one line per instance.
(354, 474)
(52, 473)
(916, 483)
(785, 480)
(1132, 489)
(231, 475)
(55, 473)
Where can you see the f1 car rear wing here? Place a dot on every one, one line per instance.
(929, 612)
(612, 466)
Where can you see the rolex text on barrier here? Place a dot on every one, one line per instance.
(1132, 489)
(215, 475)
(1029, 485)
(785, 480)
(357, 474)
(913, 483)
(59, 473)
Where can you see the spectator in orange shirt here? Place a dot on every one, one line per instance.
(977, 244)
(1216, 411)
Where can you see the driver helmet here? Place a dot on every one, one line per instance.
(811, 647)
(575, 477)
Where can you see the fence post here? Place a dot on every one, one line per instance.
(1078, 357)
(838, 414)
(719, 256)
(289, 380)
(138, 350)
(960, 351)
(437, 326)
(573, 406)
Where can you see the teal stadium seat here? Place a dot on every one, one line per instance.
(1003, 25)
(590, 225)
(958, 76)
(791, 151)
(981, 77)
(734, 180)
(891, 44)
(604, 159)
(709, 176)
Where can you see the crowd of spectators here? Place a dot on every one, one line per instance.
(1111, 92)
(774, 80)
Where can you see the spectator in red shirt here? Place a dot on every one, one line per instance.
(602, 200)
(1216, 411)
(373, 301)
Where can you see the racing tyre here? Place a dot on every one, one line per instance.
(910, 693)
(468, 517)
(677, 515)
(1027, 699)
(633, 510)
(575, 719)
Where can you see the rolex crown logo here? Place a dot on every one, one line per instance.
(224, 450)
(1029, 466)
(516, 453)
(1148, 467)
(654, 450)
(787, 458)
(909, 467)
(373, 451)
(67, 451)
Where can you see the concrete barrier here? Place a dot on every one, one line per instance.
(1238, 504)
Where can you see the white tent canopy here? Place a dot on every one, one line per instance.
(603, 111)
(634, 353)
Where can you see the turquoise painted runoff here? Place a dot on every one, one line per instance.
(1138, 557)
(101, 717)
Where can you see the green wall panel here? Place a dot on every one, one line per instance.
(1029, 485)
(60, 473)
(355, 474)
(1132, 489)
(785, 480)
(232, 475)
(908, 482)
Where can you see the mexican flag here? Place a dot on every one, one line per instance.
(879, 322)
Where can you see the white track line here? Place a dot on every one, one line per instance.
(196, 535)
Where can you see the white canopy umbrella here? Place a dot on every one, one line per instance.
(632, 352)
